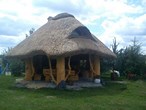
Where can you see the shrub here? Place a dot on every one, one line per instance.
(16, 67)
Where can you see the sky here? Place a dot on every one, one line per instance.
(106, 19)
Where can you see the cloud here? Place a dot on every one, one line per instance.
(125, 29)
(86, 11)
(131, 26)
(72, 6)
(17, 17)
(122, 19)
(9, 41)
(12, 27)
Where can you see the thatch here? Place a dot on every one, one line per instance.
(61, 35)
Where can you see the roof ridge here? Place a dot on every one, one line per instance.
(60, 16)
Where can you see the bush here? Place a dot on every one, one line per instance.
(16, 67)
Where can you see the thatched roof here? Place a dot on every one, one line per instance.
(61, 35)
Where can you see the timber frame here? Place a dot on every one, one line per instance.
(61, 73)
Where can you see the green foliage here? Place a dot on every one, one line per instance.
(16, 66)
(109, 64)
(130, 59)
(4, 60)
(106, 65)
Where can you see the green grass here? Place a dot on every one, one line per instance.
(112, 96)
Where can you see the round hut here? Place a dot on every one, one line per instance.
(63, 49)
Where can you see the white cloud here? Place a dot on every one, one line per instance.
(125, 29)
(111, 9)
(10, 41)
(115, 18)
(131, 26)
(88, 11)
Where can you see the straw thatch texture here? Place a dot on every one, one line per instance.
(61, 35)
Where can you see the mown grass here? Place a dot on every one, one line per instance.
(112, 96)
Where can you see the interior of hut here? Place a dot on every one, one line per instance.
(78, 65)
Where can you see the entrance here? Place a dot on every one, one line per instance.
(80, 64)
(40, 62)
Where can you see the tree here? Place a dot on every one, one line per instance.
(131, 60)
(108, 64)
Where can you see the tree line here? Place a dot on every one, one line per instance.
(130, 60)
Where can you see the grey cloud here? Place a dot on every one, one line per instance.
(132, 28)
(11, 27)
(7, 42)
(132, 31)
(62, 6)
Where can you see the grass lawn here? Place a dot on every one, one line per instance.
(112, 96)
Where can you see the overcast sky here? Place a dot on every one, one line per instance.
(123, 19)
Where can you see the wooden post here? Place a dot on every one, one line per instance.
(60, 69)
(96, 65)
(51, 73)
(32, 68)
(91, 66)
(28, 69)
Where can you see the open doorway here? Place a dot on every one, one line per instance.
(80, 64)
(40, 62)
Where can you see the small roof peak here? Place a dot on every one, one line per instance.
(60, 16)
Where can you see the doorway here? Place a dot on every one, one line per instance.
(80, 64)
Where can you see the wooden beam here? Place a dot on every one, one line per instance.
(60, 69)
(28, 69)
(96, 65)
(32, 67)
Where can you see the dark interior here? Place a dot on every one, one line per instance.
(78, 63)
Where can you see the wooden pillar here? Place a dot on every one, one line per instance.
(28, 69)
(32, 68)
(60, 69)
(96, 65)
